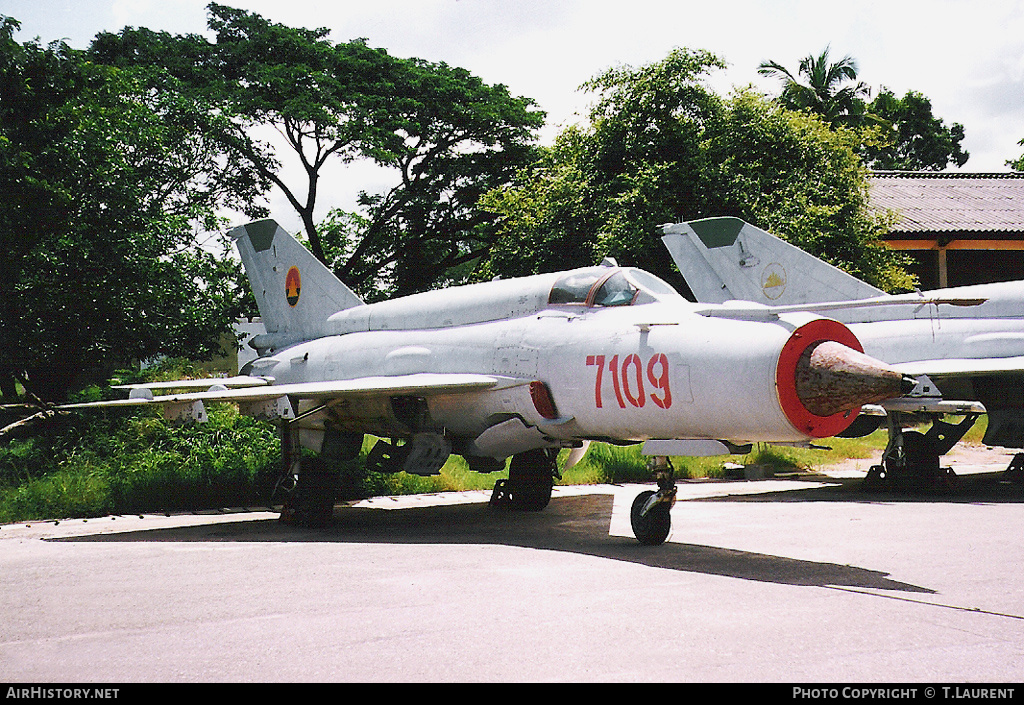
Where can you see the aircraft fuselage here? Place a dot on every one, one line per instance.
(572, 371)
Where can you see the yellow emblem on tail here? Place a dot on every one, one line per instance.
(773, 281)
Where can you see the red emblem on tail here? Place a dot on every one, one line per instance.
(292, 286)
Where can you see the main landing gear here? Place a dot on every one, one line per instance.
(910, 462)
(531, 477)
(650, 514)
(311, 484)
(312, 489)
(1015, 470)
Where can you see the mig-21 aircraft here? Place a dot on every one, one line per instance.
(519, 369)
(964, 345)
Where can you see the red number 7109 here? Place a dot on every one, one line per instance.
(628, 380)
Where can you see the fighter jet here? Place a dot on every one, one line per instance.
(519, 369)
(964, 345)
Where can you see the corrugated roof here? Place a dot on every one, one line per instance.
(951, 201)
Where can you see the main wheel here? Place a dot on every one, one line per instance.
(531, 476)
(312, 502)
(650, 529)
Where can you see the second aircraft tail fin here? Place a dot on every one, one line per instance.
(726, 259)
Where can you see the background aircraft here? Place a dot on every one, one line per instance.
(521, 368)
(964, 345)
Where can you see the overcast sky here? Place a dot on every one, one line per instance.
(966, 56)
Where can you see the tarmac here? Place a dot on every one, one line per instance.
(806, 579)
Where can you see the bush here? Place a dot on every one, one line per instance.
(128, 463)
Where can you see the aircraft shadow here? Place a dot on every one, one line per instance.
(975, 488)
(577, 524)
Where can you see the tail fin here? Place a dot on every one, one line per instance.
(295, 292)
(726, 258)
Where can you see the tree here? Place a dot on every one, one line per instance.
(821, 91)
(1017, 165)
(260, 73)
(603, 189)
(792, 174)
(448, 136)
(662, 147)
(897, 134)
(549, 217)
(912, 138)
(105, 184)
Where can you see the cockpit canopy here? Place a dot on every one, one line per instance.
(608, 286)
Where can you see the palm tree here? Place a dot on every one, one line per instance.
(822, 92)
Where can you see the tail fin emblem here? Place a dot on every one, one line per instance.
(773, 281)
(292, 286)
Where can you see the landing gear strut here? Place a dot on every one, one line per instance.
(650, 514)
(910, 462)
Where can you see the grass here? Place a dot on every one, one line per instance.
(123, 461)
(131, 463)
(604, 463)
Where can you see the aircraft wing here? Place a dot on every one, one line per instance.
(747, 310)
(923, 405)
(424, 383)
(204, 384)
(962, 367)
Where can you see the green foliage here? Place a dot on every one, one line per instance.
(912, 139)
(776, 458)
(609, 464)
(827, 89)
(1017, 165)
(602, 190)
(450, 139)
(548, 219)
(897, 133)
(455, 476)
(128, 463)
(624, 464)
(662, 147)
(123, 463)
(791, 174)
(105, 184)
(446, 136)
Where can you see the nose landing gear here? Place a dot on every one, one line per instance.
(650, 515)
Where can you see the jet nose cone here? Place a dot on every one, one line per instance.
(832, 378)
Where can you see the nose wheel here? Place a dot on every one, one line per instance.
(650, 515)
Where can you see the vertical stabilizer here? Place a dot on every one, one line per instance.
(295, 292)
(726, 258)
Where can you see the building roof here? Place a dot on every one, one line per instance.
(950, 201)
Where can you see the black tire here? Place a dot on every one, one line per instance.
(312, 502)
(530, 481)
(652, 529)
(875, 480)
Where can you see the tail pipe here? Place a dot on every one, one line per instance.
(823, 378)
